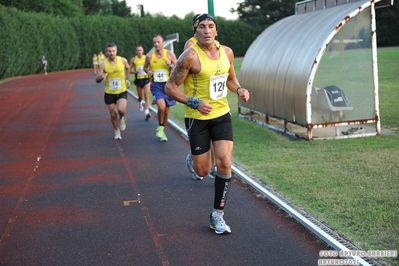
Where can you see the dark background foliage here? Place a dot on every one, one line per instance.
(69, 32)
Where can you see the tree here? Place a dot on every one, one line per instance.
(107, 7)
(68, 8)
(120, 9)
(387, 20)
(260, 14)
(140, 10)
(72, 8)
(92, 7)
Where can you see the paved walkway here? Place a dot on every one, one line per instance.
(71, 195)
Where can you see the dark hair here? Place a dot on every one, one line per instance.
(110, 44)
(201, 17)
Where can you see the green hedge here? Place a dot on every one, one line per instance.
(69, 43)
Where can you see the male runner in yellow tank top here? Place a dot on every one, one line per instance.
(158, 65)
(189, 160)
(207, 71)
(100, 57)
(142, 81)
(95, 63)
(117, 82)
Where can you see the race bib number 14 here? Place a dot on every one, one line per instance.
(217, 87)
(115, 84)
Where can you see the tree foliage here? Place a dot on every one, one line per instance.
(72, 8)
(387, 20)
(260, 14)
(68, 8)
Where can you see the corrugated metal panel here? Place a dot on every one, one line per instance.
(279, 66)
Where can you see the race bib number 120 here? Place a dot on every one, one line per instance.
(217, 87)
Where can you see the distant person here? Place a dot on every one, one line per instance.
(116, 72)
(207, 71)
(142, 81)
(44, 64)
(101, 58)
(158, 65)
(95, 64)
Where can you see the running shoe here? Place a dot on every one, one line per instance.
(163, 137)
(190, 163)
(159, 132)
(197, 177)
(117, 134)
(218, 224)
(141, 105)
(212, 173)
(122, 123)
(147, 117)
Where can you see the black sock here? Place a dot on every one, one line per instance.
(222, 188)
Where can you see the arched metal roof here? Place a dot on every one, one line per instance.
(280, 66)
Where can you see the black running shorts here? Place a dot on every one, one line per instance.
(113, 98)
(141, 82)
(201, 132)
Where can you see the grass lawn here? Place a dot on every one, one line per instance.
(350, 184)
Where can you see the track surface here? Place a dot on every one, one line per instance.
(71, 195)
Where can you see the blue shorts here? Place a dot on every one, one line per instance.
(158, 91)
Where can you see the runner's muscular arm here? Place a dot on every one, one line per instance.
(232, 81)
(171, 62)
(146, 66)
(132, 66)
(101, 75)
(188, 63)
(179, 74)
(127, 67)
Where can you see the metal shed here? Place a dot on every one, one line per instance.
(296, 65)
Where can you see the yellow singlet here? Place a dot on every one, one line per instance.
(209, 84)
(95, 60)
(115, 82)
(159, 67)
(139, 64)
(101, 58)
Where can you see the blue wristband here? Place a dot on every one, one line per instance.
(193, 102)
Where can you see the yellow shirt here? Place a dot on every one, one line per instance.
(101, 58)
(139, 64)
(158, 66)
(209, 84)
(115, 82)
(95, 60)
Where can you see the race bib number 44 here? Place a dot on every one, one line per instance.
(217, 86)
(160, 75)
(115, 84)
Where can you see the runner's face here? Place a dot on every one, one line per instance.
(158, 43)
(111, 52)
(139, 51)
(206, 32)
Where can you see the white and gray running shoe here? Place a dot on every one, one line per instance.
(190, 163)
(218, 224)
(197, 177)
(212, 173)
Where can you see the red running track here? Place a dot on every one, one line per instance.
(71, 195)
